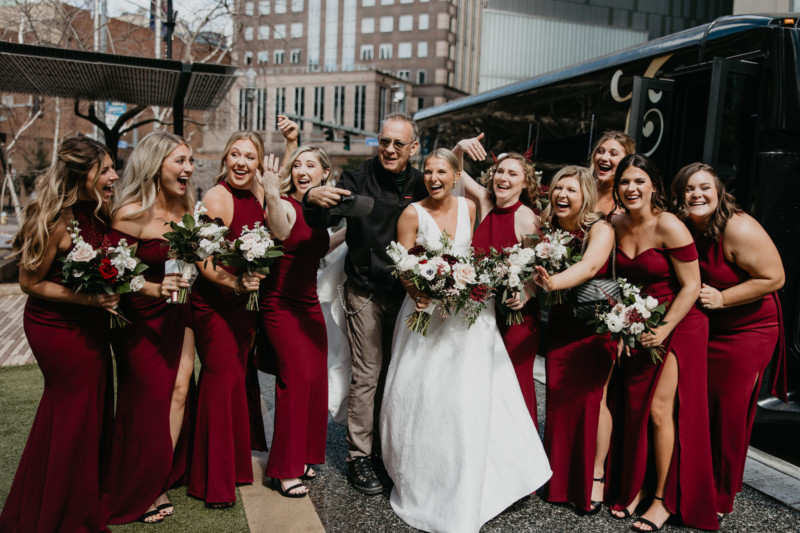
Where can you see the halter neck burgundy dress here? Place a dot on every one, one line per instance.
(295, 328)
(57, 485)
(142, 464)
(741, 343)
(224, 332)
(577, 364)
(497, 231)
(690, 483)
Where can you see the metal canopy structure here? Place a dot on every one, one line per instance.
(49, 71)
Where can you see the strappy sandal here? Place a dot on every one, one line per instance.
(149, 514)
(625, 512)
(287, 493)
(648, 523)
(165, 509)
(596, 505)
(306, 476)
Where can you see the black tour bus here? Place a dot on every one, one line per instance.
(726, 93)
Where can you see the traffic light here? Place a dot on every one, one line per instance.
(329, 134)
(347, 141)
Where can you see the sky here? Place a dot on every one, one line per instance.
(185, 8)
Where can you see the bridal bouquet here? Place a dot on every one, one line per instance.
(254, 251)
(107, 269)
(555, 252)
(509, 270)
(472, 286)
(631, 315)
(429, 268)
(195, 238)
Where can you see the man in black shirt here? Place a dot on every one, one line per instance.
(371, 296)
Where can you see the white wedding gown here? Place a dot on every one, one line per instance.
(457, 439)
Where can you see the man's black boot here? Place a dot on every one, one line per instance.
(362, 476)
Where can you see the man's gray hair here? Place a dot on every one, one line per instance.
(405, 117)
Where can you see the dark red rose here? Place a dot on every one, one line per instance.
(544, 190)
(107, 270)
(417, 250)
(205, 219)
(449, 259)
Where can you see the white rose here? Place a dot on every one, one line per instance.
(82, 253)
(485, 279)
(249, 255)
(207, 248)
(514, 269)
(434, 246)
(526, 255)
(137, 283)
(407, 263)
(543, 250)
(636, 328)
(209, 230)
(513, 281)
(259, 249)
(557, 252)
(463, 274)
(650, 303)
(248, 241)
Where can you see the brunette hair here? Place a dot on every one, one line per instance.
(57, 189)
(726, 203)
(628, 144)
(141, 179)
(586, 216)
(287, 183)
(251, 136)
(659, 199)
(530, 189)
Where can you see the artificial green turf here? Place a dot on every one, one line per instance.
(20, 392)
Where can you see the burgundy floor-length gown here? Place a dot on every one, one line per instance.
(690, 482)
(295, 328)
(224, 332)
(57, 485)
(741, 342)
(497, 231)
(142, 465)
(577, 364)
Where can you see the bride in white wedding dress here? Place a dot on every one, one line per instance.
(457, 439)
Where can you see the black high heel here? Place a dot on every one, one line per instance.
(647, 522)
(596, 505)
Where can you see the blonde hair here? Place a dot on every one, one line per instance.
(251, 136)
(287, 183)
(530, 189)
(57, 189)
(449, 157)
(628, 144)
(140, 181)
(586, 215)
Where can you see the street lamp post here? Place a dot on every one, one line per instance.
(250, 94)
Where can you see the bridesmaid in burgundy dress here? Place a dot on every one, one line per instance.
(608, 151)
(666, 401)
(224, 332)
(57, 485)
(155, 352)
(506, 218)
(741, 269)
(578, 362)
(295, 329)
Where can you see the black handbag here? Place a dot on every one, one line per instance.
(588, 298)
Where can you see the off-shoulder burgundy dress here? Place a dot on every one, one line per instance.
(295, 328)
(741, 342)
(497, 231)
(577, 364)
(142, 464)
(690, 482)
(57, 485)
(224, 332)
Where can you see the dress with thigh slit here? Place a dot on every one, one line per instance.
(142, 464)
(224, 332)
(741, 343)
(689, 489)
(57, 484)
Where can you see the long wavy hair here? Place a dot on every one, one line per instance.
(586, 216)
(287, 183)
(628, 144)
(251, 136)
(141, 179)
(56, 189)
(726, 203)
(658, 201)
(530, 189)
